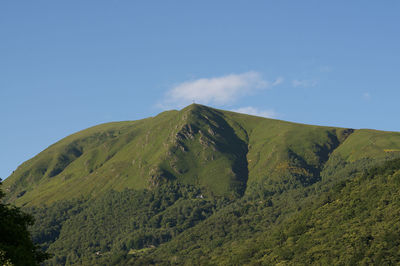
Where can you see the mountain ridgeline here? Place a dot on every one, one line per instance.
(222, 153)
(207, 186)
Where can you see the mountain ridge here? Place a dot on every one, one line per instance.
(192, 146)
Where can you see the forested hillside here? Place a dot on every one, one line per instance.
(207, 186)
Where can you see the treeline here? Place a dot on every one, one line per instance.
(350, 218)
(16, 245)
(359, 224)
(354, 222)
(91, 231)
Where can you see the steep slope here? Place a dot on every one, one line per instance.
(191, 146)
(223, 153)
(91, 161)
(284, 155)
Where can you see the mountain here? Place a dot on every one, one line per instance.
(201, 183)
(224, 153)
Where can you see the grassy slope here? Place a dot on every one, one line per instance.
(56, 174)
(222, 152)
(287, 153)
(367, 143)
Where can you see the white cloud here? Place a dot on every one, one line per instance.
(304, 83)
(254, 111)
(218, 90)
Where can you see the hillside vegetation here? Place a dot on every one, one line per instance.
(207, 186)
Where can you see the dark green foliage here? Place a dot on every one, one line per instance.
(16, 246)
(52, 219)
(354, 222)
(351, 221)
(359, 225)
(119, 223)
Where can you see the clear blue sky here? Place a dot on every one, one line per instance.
(69, 65)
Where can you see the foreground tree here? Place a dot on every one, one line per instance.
(16, 246)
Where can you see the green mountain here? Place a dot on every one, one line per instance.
(207, 186)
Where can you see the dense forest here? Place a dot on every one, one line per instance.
(16, 245)
(349, 221)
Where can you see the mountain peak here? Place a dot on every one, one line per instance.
(222, 153)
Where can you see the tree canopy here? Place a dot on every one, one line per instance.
(16, 246)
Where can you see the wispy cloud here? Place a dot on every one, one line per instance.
(254, 111)
(304, 83)
(218, 90)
